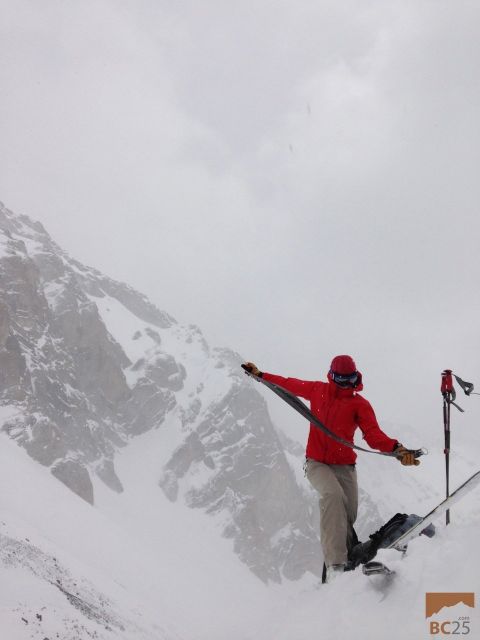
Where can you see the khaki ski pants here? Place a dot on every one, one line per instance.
(338, 491)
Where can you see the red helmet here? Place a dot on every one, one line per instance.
(343, 371)
(343, 365)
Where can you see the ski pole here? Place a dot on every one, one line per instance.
(449, 395)
(447, 391)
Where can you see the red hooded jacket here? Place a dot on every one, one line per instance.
(342, 411)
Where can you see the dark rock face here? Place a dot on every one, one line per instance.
(75, 476)
(249, 477)
(87, 363)
(59, 363)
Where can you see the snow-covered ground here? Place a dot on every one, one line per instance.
(135, 567)
(138, 567)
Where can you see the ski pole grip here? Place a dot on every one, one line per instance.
(247, 370)
(447, 382)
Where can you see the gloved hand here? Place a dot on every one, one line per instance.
(406, 456)
(252, 368)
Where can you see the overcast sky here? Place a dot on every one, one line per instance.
(299, 178)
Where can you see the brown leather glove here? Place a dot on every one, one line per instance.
(252, 368)
(406, 456)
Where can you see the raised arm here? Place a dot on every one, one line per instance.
(302, 388)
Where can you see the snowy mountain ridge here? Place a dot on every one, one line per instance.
(88, 363)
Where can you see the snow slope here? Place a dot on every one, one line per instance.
(64, 568)
(138, 567)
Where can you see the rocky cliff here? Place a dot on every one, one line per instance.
(87, 364)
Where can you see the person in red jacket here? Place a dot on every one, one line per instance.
(330, 465)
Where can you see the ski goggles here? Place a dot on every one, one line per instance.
(349, 380)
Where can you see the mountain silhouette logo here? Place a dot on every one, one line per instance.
(435, 602)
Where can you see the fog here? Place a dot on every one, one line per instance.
(299, 179)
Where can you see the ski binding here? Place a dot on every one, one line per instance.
(373, 568)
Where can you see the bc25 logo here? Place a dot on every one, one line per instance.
(435, 602)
